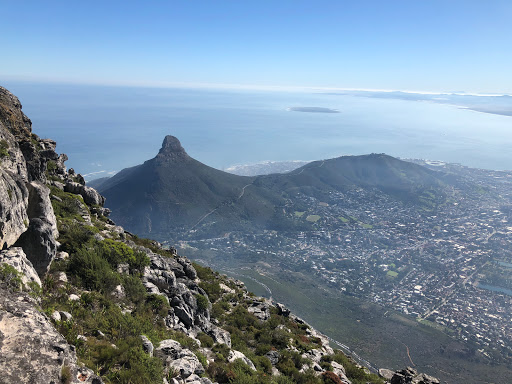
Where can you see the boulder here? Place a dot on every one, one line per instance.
(260, 309)
(39, 244)
(16, 258)
(40, 206)
(282, 310)
(219, 335)
(185, 315)
(234, 355)
(31, 349)
(189, 270)
(273, 356)
(339, 370)
(411, 376)
(61, 277)
(56, 316)
(178, 359)
(90, 195)
(65, 316)
(386, 374)
(147, 345)
(119, 292)
(226, 289)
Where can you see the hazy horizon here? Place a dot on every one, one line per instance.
(435, 46)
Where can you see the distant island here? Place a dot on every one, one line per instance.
(313, 109)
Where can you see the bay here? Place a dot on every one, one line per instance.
(104, 129)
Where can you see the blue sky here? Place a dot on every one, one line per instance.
(447, 45)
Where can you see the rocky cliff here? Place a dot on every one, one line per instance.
(83, 300)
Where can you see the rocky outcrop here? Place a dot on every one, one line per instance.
(90, 195)
(147, 345)
(234, 355)
(260, 309)
(174, 278)
(13, 208)
(39, 244)
(39, 240)
(31, 349)
(40, 206)
(411, 376)
(178, 359)
(16, 258)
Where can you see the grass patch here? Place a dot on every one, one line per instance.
(299, 214)
(343, 219)
(313, 218)
(392, 274)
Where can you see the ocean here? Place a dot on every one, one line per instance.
(104, 129)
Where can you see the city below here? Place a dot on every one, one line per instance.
(447, 265)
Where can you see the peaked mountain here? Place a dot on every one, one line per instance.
(174, 193)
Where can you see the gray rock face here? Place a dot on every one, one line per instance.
(39, 244)
(260, 309)
(147, 345)
(17, 258)
(234, 355)
(90, 195)
(13, 208)
(411, 376)
(176, 358)
(219, 335)
(175, 279)
(160, 271)
(189, 270)
(273, 356)
(40, 206)
(31, 349)
(386, 374)
(339, 370)
(282, 310)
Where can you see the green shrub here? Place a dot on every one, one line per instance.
(65, 375)
(158, 303)
(202, 359)
(262, 349)
(219, 308)
(10, 277)
(117, 253)
(133, 288)
(262, 364)
(202, 302)
(206, 341)
(74, 236)
(212, 288)
(51, 166)
(222, 350)
(4, 145)
(92, 271)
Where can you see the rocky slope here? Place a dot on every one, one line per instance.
(83, 300)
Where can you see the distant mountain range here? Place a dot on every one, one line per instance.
(174, 193)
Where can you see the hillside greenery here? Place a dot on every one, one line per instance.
(105, 327)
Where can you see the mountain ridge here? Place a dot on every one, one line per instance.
(176, 193)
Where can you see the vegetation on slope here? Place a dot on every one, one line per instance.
(105, 326)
